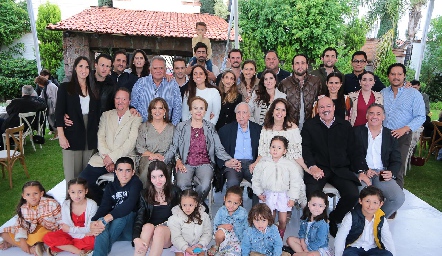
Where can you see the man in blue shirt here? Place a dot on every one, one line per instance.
(155, 85)
(405, 112)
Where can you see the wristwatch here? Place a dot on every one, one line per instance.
(103, 221)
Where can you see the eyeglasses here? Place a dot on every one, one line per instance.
(359, 61)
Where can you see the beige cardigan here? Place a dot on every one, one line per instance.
(353, 99)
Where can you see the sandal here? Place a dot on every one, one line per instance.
(5, 245)
(50, 252)
(85, 253)
(213, 250)
(38, 249)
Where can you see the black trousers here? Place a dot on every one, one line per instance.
(348, 190)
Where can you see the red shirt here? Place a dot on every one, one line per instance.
(361, 117)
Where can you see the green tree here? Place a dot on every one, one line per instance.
(384, 56)
(207, 6)
(14, 21)
(15, 72)
(108, 3)
(388, 12)
(296, 26)
(220, 9)
(431, 72)
(51, 42)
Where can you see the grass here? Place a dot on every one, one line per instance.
(46, 165)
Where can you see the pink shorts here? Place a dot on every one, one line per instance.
(277, 201)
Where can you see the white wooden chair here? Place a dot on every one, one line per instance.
(332, 192)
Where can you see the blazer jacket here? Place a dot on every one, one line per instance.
(76, 134)
(390, 154)
(329, 148)
(228, 134)
(181, 143)
(116, 139)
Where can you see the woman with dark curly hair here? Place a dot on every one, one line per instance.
(264, 96)
(154, 208)
(279, 122)
(140, 64)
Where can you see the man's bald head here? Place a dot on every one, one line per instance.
(326, 109)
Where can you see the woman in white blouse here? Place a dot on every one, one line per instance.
(264, 96)
(199, 85)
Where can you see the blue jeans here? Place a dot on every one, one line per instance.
(117, 230)
(353, 251)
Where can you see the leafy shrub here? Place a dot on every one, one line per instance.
(15, 72)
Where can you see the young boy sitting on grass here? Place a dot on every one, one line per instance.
(364, 230)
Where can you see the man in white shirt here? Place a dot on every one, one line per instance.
(378, 151)
(364, 230)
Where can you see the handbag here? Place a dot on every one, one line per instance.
(38, 139)
(417, 160)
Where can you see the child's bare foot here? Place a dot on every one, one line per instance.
(5, 245)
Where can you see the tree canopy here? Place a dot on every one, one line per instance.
(431, 73)
(14, 21)
(299, 26)
(51, 42)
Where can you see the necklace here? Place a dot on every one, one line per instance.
(197, 132)
(160, 197)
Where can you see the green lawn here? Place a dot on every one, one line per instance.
(45, 165)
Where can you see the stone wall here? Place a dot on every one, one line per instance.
(74, 45)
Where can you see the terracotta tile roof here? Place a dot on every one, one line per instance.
(142, 23)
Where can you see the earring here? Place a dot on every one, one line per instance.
(164, 117)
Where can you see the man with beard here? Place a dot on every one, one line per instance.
(328, 58)
(302, 89)
(327, 143)
(200, 50)
(405, 112)
(235, 60)
(272, 62)
(121, 78)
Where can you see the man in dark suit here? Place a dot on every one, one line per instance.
(240, 140)
(27, 103)
(327, 143)
(377, 150)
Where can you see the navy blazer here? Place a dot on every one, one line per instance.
(390, 154)
(228, 134)
(76, 134)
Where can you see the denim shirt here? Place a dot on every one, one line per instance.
(238, 219)
(268, 243)
(317, 235)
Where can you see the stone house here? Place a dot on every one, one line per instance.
(97, 30)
